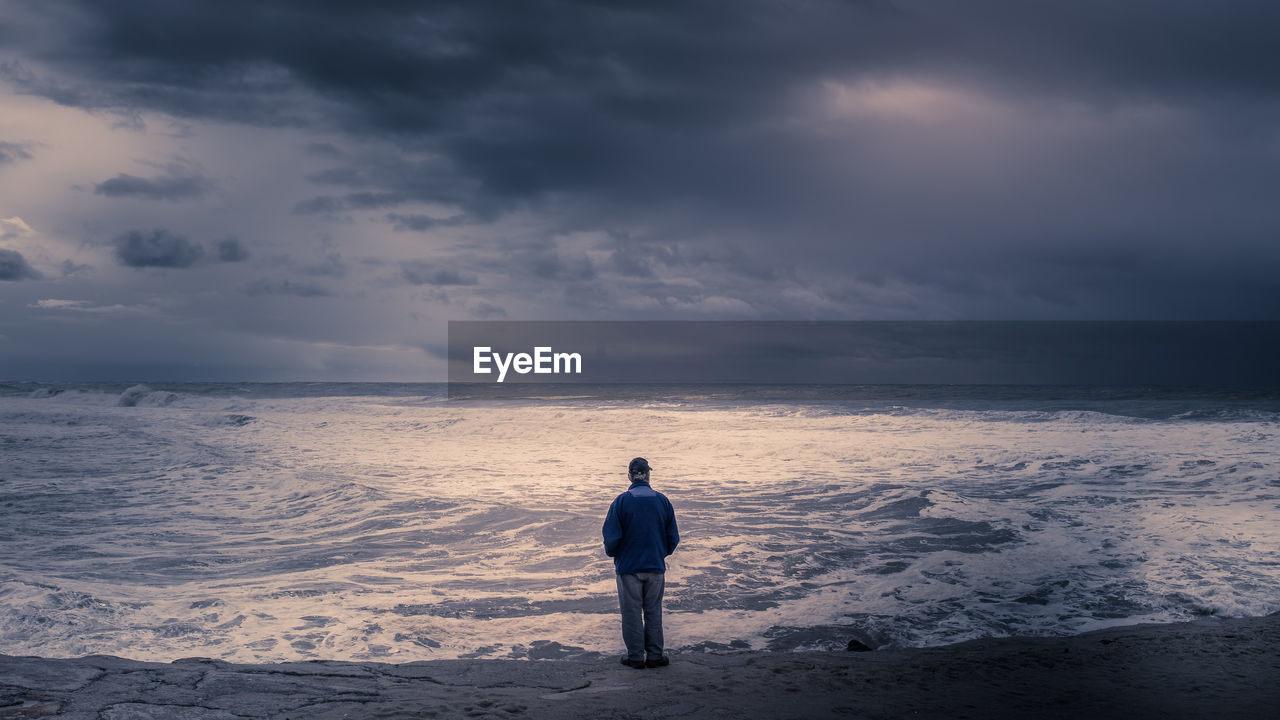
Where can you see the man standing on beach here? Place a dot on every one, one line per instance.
(639, 533)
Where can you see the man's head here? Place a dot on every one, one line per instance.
(638, 469)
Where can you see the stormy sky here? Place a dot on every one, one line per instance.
(301, 189)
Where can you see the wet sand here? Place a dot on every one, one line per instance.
(1208, 668)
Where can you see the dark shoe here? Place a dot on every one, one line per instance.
(660, 662)
(637, 664)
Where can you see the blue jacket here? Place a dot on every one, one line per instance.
(640, 530)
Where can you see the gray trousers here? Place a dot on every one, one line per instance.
(640, 599)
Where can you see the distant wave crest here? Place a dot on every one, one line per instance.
(141, 395)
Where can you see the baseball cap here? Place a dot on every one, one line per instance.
(639, 465)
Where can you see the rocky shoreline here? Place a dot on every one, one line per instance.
(1219, 668)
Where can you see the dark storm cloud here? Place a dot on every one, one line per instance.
(158, 248)
(328, 204)
(538, 95)
(645, 260)
(487, 311)
(322, 149)
(551, 264)
(1049, 137)
(12, 152)
(171, 187)
(629, 261)
(331, 265)
(231, 250)
(378, 180)
(69, 268)
(322, 205)
(13, 266)
(421, 272)
(286, 287)
(423, 223)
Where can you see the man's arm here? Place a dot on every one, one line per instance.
(673, 533)
(612, 530)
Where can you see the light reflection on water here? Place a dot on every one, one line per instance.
(402, 527)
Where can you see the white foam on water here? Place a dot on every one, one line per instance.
(361, 527)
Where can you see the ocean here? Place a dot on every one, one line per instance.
(292, 521)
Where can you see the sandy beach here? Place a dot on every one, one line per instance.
(1219, 668)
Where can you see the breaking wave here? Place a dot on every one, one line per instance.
(291, 521)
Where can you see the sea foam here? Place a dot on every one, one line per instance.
(295, 521)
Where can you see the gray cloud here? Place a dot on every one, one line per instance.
(328, 204)
(69, 268)
(286, 287)
(423, 223)
(158, 248)
(421, 272)
(13, 266)
(418, 73)
(332, 265)
(171, 186)
(12, 152)
(322, 149)
(550, 264)
(321, 205)
(487, 311)
(231, 250)
(834, 145)
(896, 160)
